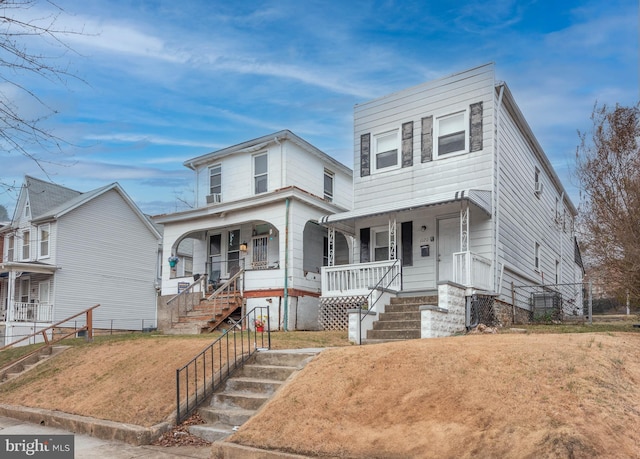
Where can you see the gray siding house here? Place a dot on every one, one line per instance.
(451, 188)
(65, 251)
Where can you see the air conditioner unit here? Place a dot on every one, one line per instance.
(538, 188)
(547, 304)
(214, 198)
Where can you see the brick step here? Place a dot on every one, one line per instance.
(397, 325)
(422, 299)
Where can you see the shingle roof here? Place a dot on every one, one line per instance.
(44, 196)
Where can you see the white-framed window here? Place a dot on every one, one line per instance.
(380, 243)
(215, 182)
(451, 134)
(27, 209)
(11, 247)
(536, 256)
(260, 173)
(386, 151)
(44, 232)
(537, 184)
(328, 185)
(26, 245)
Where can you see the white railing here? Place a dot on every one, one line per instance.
(33, 312)
(360, 278)
(472, 270)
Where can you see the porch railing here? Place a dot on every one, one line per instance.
(32, 312)
(208, 370)
(472, 270)
(359, 278)
(385, 282)
(187, 299)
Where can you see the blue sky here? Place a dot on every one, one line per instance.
(166, 81)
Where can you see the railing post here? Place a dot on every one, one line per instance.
(90, 325)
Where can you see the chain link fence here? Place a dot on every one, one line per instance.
(554, 302)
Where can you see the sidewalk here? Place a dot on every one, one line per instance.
(87, 447)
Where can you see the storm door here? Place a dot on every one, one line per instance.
(448, 244)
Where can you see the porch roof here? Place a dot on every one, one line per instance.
(28, 267)
(480, 198)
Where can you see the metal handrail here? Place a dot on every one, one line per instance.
(201, 376)
(376, 287)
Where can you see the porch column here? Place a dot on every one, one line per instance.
(392, 238)
(11, 292)
(464, 226)
(331, 238)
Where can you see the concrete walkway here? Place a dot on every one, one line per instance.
(87, 447)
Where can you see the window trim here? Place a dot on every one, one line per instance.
(375, 152)
(46, 227)
(328, 195)
(436, 133)
(11, 247)
(26, 237)
(256, 175)
(210, 169)
(374, 231)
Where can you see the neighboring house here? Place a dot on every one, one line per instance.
(257, 206)
(65, 251)
(451, 190)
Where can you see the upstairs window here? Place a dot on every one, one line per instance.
(215, 183)
(451, 134)
(44, 241)
(26, 247)
(11, 245)
(260, 173)
(27, 209)
(328, 185)
(385, 149)
(537, 184)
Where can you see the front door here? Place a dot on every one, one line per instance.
(448, 244)
(215, 258)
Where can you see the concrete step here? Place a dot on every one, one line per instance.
(274, 372)
(284, 358)
(258, 386)
(211, 432)
(225, 416)
(397, 325)
(244, 400)
(421, 299)
(393, 334)
(399, 316)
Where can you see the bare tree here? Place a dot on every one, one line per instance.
(608, 168)
(30, 44)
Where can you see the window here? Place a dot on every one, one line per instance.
(215, 183)
(233, 252)
(536, 257)
(385, 147)
(537, 184)
(380, 244)
(27, 209)
(328, 185)
(452, 134)
(260, 173)
(11, 245)
(44, 241)
(26, 249)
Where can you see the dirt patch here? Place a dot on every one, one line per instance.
(570, 395)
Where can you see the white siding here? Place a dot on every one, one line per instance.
(107, 256)
(444, 96)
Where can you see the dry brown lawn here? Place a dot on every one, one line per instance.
(502, 396)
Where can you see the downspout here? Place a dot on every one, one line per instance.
(497, 191)
(286, 266)
(560, 230)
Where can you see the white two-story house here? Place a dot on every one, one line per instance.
(66, 251)
(256, 212)
(451, 187)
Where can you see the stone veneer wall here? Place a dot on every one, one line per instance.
(448, 317)
(505, 311)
